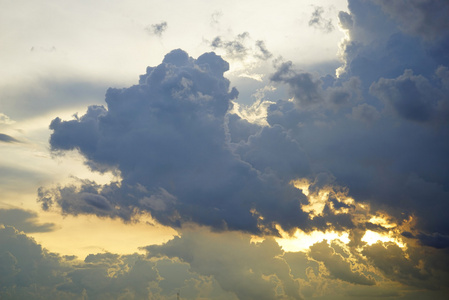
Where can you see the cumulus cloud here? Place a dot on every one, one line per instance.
(427, 19)
(399, 90)
(312, 93)
(168, 134)
(365, 113)
(173, 135)
(413, 97)
(364, 150)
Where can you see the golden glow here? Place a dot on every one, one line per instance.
(319, 199)
(84, 235)
(302, 184)
(372, 237)
(382, 220)
(301, 241)
(316, 204)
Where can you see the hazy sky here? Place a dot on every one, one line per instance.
(224, 150)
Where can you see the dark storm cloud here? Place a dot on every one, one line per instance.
(157, 29)
(318, 21)
(7, 138)
(427, 18)
(365, 113)
(396, 160)
(378, 46)
(272, 150)
(414, 97)
(380, 130)
(24, 220)
(167, 138)
(313, 93)
(303, 87)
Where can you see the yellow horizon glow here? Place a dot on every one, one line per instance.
(83, 235)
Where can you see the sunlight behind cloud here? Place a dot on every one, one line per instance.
(301, 241)
(372, 237)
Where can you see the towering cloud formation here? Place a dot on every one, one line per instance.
(168, 139)
(380, 129)
(366, 150)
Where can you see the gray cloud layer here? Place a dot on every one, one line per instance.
(227, 266)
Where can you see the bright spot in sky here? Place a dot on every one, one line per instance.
(372, 237)
(301, 241)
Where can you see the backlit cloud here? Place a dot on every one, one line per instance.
(250, 173)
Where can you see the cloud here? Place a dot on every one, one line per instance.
(24, 220)
(399, 92)
(312, 93)
(7, 138)
(238, 265)
(264, 53)
(228, 265)
(413, 97)
(365, 113)
(404, 265)
(168, 135)
(428, 19)
(234, 48)
(242, 47)
(318, 21)
(173, 135)
(24, 266)
(157, 29)
(337, 265)
(27, 271)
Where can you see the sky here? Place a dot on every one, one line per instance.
(224, 150)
